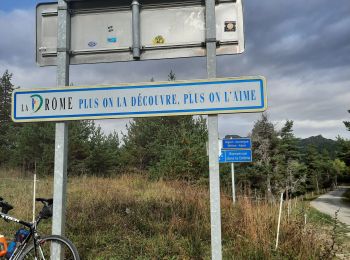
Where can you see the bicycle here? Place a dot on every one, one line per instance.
(42, 248)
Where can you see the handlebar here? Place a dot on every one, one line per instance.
(46, 202)
(47, 210)
(5, 207)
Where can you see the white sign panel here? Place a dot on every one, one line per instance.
(167, 30)
(229, 95)
(111, 31)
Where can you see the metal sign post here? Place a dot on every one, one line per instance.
(235, 150)
(61, 138)
(214, 177)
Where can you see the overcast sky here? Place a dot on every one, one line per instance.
(301, 47)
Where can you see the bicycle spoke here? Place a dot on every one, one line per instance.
(41, 253)
(50, 249)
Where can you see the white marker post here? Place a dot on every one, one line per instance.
(279, 220)
(34, 191)
(233, 183)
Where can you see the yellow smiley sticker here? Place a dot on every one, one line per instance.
(158, 40)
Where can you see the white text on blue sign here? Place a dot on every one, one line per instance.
(235, 156)
(236, 143)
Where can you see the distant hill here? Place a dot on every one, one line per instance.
(320, 143)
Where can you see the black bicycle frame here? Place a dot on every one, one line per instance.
(32, 227)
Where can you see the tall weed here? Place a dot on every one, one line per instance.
(132, 217)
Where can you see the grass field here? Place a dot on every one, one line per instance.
(131, 217)
(346, 196)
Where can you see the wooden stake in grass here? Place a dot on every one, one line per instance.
(279, 220)
(289, 208)
(34, 192)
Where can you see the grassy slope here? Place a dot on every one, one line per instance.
(130, 217)
(346, 195)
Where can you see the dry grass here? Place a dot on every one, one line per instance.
(131, 217)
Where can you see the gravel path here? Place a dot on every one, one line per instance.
(330, 202)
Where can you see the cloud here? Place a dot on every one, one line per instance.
(17, 37)
(302, 48)
(312, 34)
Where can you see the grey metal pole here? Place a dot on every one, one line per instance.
(61, 137)
(233, 183)
(135, 6)
(214, 177)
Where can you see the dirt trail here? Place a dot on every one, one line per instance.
(330, 202)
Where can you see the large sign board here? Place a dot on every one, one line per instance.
(168, 29)
(229, 95)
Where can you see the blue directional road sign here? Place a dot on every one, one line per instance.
(235, 156)
(237, 143)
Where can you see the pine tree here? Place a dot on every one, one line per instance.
(171, 147)
(79, 149)
(291, 170)
(89, 150)
(340, 170)
(171, 76)
(312, 160)
(29, 144)
(6, 89)
(35, 145)
(264, 145)
(104, 153)
(344, 152)
(8, 130)
(347, 123)
(289, 143)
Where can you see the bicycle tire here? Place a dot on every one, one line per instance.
(44, 249)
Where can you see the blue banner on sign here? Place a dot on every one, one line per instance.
(235, 156)
(238, 143)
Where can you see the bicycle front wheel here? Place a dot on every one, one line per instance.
(51, 247)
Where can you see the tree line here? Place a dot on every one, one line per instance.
(282, 164)
(172, 148)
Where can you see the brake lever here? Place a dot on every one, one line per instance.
(45, 203)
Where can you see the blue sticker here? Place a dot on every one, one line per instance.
(92, 44)
(112, 39)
